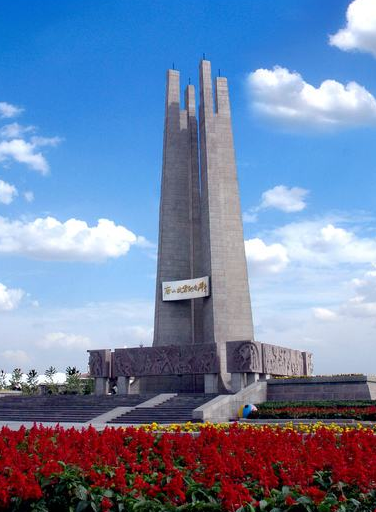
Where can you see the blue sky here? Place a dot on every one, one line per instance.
(81, 126)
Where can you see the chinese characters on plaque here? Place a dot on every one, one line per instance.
(187, 289)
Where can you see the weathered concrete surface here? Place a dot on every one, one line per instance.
(225, 407)
(352, 387)
(253, 356)
(244, 356)
(156, 400)
(227, 312)
(179, 228)
(100, 362)
(166, 360)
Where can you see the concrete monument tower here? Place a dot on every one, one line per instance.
(203, 330)
(200, 226)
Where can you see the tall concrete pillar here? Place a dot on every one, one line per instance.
(195, 210)
(227, 314)
(179, 215)
(200, 228)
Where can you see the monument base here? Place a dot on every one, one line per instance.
(172, 384)
(342, 387)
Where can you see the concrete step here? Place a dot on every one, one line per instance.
(63, 408)
(177, 409)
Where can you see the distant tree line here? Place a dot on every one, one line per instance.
(73, 385)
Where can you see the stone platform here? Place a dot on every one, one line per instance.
(63, 408)
(343, 387)
(80, 411)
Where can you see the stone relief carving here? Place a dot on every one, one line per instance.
(282, 361)
(256, 357)
(308, 363)
(244, 356)
(98, 363)
(169, 360)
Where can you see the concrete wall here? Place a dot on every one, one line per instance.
(225, 407)
(322, 388)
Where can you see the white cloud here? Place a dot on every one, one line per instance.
(289, 200)
(45, 141)
(73, 240)
(360, 31)
(64, 340)
(250, 216)
(324, 314)
(29, 196)
(265, 258)
(10, 298)
(284, 198)
(314, 303)
(363, 304)
(16, 357)
(7, 110)
(14, 145)
(7, 192)
(15, 130)
(366, 287)
(23, 152)
(105, 324)
(322, 243)
(286, 97)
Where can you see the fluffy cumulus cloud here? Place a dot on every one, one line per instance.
(7, 110)
(19, 143)
(360, 30)
(322, 243)
(311, 244)
(284, 198)
(23, 152)
(312, 300)
(73, 240)
(284, 96)
(7, 192)
(265, 258)
(280, 197)
(10, 298)
(64, 340)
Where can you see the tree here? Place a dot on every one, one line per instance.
(31, 385)
(15, 382)
(73, 384)
(52, 387)
(3, 380)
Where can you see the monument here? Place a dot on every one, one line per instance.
(203, 328)
(200, 225)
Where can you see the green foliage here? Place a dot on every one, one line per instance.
(52, 387)
(73, 383)
(16, 380)
(317, 403)
(357, 410)
(3, 380)
(30, 387)
(88, 386)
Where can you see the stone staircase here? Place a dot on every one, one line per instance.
(177, 409)
(63, 408)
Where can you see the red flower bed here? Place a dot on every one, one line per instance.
(239, 469)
